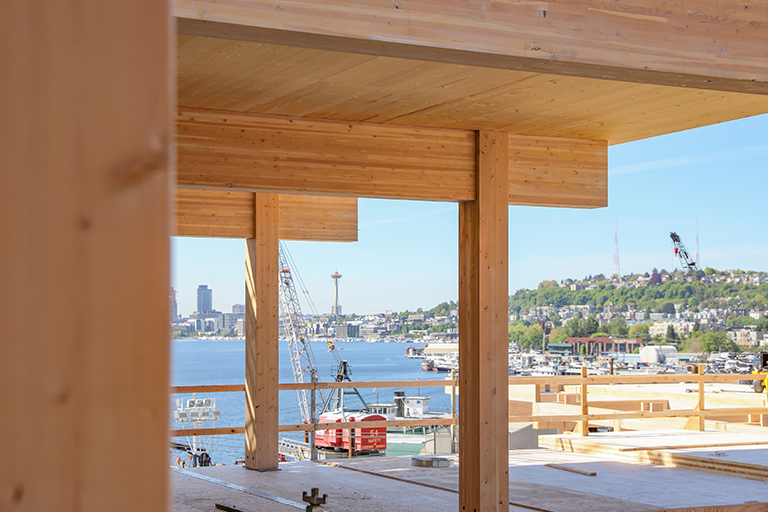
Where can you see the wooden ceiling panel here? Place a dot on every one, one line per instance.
(261, 78)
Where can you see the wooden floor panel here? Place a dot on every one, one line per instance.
(394, 484)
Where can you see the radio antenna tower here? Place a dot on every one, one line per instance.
(616, 266)
(698, 262)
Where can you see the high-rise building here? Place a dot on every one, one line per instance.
(238, 309)
(347, 331)
(174, 306)
(204, 299)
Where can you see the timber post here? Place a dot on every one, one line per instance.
(483, 296)
(261, 337)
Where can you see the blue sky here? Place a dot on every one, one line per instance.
(406, 256)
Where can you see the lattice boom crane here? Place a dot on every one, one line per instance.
(687, 263)
(302, 359)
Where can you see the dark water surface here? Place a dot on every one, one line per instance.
(206, 362)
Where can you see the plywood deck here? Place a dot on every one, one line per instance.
(394, 484)
(742, 454)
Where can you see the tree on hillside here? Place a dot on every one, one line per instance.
(667, 308)
(516, 333)
(557, 335)
(640, 330)
(572, 328)
(533, 337)
(590, 326)
(671, 334)
(618, 327)
(710, 341)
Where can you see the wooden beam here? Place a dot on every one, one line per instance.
(707, 44)
(85, 160)
(229, 214)
(483, 380)
(582, 428)
(261, 338)
(255, 152)
(214, 213)
(248, 152)
(319, 218)
(554, 171)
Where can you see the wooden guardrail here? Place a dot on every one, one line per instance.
(700, 412)
(309, 427)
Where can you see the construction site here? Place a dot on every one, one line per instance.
(130, 121)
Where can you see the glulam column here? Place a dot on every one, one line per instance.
(85, 163)
(483, 338)
(261, 337)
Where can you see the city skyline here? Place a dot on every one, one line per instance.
(407, 252)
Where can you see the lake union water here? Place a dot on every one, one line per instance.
(206, 362)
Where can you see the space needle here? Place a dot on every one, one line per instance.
(336, 309)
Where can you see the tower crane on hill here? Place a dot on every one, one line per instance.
(302, 359)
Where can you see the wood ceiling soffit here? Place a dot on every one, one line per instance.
(232, 151)
(707, 44)
(230, 214)
(260, 78)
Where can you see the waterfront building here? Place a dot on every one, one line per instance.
(204, 299)
(229, 321)
(347, 331)
(174, 306)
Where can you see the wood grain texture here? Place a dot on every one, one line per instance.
(261, 337)
(227, 150)
(85, 136)
(483, 381)
(571, 469)
(551, 171)
(226, 214)
(317, 218)
(582, 427)
(214, 213)
(220, 150)
(708, 44)
(283, 80)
